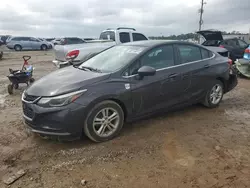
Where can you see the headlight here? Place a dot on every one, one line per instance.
(60, 100)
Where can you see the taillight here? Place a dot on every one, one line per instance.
(247, 51)
(221, 46)
(73, 54)
(230, 62)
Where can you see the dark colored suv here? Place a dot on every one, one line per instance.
(235, 46)
(124, 83)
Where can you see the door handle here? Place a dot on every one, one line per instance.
(206, 66)
(173, 75)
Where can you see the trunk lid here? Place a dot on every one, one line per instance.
(211, 35)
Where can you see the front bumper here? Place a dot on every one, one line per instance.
(61, 121)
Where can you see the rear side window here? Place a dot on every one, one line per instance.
(124, 37)
(16, 39)
(108, 35)
(189, 53)
(206, 53)
(231, 42)
(138, 37)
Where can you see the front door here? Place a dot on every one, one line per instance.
(35, 43)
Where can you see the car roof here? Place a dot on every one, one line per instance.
(152, 43)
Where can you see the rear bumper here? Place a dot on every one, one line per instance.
(232, 82)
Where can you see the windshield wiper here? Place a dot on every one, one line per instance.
(90, 68)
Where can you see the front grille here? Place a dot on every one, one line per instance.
(27, 111)
(30, 98)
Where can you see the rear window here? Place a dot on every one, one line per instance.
(108, 35)
(206, 53)
(189, 53)
(138, 37)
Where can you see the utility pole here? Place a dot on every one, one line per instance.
(201, 11)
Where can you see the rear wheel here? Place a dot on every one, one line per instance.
(32, 80)
(16, 86)
(18, 47)
(214, 95)
(10, 89)
(104, 121)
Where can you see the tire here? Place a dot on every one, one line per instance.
(32, 80)
(44, 47)
(91, 131)
(10, 89)
(18, 47)
(16, 86)
(209, 100)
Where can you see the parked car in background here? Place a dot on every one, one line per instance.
(50, 44)
(71, 40)
(1, 42)
(49, 39)
(27, 43)
(4, 38)
(124, 83)
(247, 53)
(235, 46)
(83, 51)
(56, 41)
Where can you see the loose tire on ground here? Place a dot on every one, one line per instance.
(209, 100)
(91, 131)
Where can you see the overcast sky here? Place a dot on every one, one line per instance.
(87, 18)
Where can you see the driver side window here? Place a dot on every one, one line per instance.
(158, 58)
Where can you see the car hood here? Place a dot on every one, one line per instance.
(211, 35)
(64, 80)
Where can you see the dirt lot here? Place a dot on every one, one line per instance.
(195, 147)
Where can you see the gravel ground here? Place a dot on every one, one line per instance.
(193, 147)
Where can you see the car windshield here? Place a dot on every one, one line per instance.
(112, 59)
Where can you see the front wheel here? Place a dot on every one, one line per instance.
(214, 95)
(43, 47)
(104, 121)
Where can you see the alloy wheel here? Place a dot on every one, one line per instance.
(216, 94)
(106, 122)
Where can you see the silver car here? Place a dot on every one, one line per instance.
(27, 43)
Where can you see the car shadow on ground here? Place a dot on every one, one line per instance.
(129, 129)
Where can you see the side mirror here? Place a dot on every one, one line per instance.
(146, 71)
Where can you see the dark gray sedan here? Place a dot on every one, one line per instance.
(124, 83)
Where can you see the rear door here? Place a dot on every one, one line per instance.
(194, 62)
(242, 47)
(232, 46)
(35, 43)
